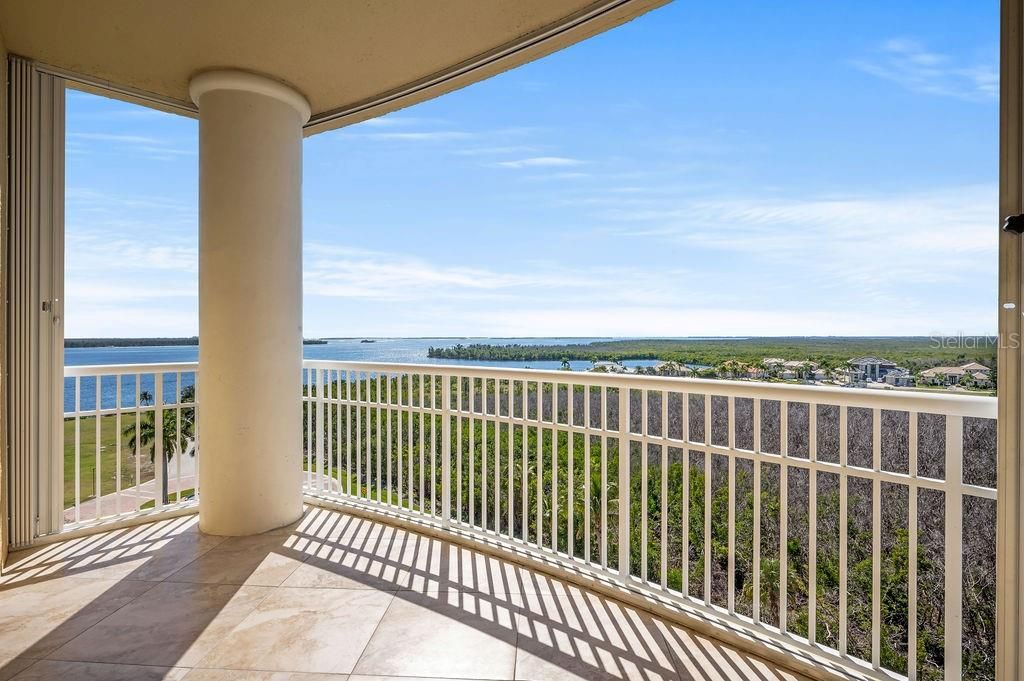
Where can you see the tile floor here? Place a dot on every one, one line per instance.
(332, 598)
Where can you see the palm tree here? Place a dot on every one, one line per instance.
(145, 434)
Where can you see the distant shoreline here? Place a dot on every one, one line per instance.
(150, 342)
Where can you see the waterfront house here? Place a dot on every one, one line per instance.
(870, 368)
(899, 377)
(979, 374)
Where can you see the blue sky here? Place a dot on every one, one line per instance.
(740, 168)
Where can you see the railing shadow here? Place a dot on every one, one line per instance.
(559, 629)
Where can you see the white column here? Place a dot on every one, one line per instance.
(250, 301)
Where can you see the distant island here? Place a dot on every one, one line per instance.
(958, 362)
(367, 340)
(914, 351)
(148, 342)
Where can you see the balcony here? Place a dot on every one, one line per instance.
(470, 497)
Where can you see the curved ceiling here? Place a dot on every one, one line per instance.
(353, 59)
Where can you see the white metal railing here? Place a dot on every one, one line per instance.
(833, 520)
(130, 439)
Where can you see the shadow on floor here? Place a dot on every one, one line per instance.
(331, 594)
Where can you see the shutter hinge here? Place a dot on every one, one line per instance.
(1014, 223)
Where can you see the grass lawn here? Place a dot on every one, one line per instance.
(171, 498)
(107, 460)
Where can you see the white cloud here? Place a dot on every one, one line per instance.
(911, 65)
(154, 148)
(420, 136)
(488, 151)
(338, 272)
(871, 243)
(541, 162)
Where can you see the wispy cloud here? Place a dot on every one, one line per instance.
(489, 151)
(913, 66)
(541, 162)
(421, 136)
(155, 148)
(871, 243)
(339, 272)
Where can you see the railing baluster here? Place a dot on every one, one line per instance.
(97, 462)
(387, 425)
(554, 467)
(380, 451)
(458, 451)
(954, 502)
(348, 432)
(178, 450)
(496, 455)
(588, 425)
(117, 445)
(319, 430)
(912, 521)
(329, 439)
(433, 445)
(539, 460)
(360, 398)
(685, 403)
(423, 447)
(308, 389)
(483, 454)
(526, 458)
(604, 476)
(731, 569)
(812, 524)
(843, 520)
(624, 490)
(472, 452)
(410, 447)
(138, 425)
(783, 513)
(756, 485)
(367, 486)
(664, 490)
(644, 511)
(707, 499)
(511, 462)
(158, 439)
(876, 539)
(78, 447)
(446, 450)
(570, 441)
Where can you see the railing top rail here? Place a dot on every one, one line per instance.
(894, 399)
(127, 369)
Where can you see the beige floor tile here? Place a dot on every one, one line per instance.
(303, 630)
(10, 666)
(443, 634)
(52, 670)
(173, 624)
(245, 675)
(260, 560)
(584, 636)
(39, 617)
